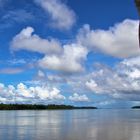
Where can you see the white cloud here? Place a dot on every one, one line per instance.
(79, 98)
(6, 92)
(32, 94)
(69, 61)
(25, 40)
(119, 41)
(41, 74)
(15, 16)
(106, 102)
(68, 58)
(16, 61)
(131, 61)
(122, 81)
(61, 15)
(23, 91)
(92, 85)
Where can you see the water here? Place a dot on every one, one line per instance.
(70, 125)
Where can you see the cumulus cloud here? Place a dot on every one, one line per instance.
(33, 94)
(69, 61)
(61, 15)
(92, 85)
(131, 61)
(79, 98)
(25, 40)
(122, 81)
(68, 58)
(41, 74)
(120, 41)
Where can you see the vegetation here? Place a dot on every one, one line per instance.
(136, 107)
(39, 107)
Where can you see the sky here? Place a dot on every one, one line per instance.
(82, 53)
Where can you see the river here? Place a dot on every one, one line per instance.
(100, 124)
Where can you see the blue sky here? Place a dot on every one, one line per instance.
(82, 52)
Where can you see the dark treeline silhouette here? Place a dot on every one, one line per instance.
(39, 107)
(136, 107)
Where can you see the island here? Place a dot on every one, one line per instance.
(41, 107)
(136, 107)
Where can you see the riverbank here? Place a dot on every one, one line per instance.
(40, 107)
(136, 107)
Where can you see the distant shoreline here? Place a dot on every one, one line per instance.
(41, 107)
(136, 107)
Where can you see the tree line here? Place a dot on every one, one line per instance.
(39, 107)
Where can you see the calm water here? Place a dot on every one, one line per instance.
(70, 125)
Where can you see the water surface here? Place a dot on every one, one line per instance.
(70, 125)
